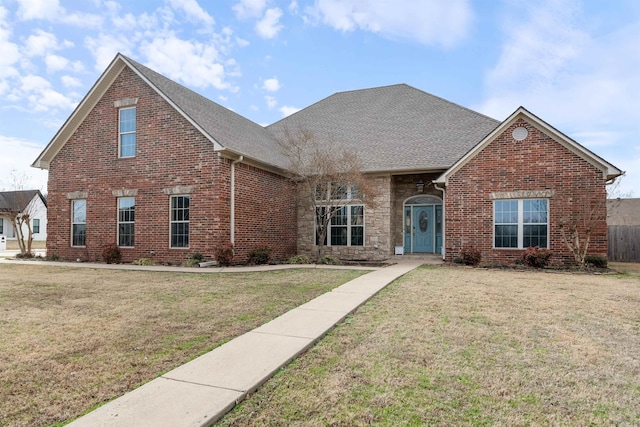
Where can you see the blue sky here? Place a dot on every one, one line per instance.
(575, 64)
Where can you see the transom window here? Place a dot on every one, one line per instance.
(126, 221)
(336, 191)
(179, 222)
(346, 227)
(79, 222)
(127, 132)
(521, 223)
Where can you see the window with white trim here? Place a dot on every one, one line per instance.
(127, 132)
(126, 221)
(79, 222)
(346, 227)
(521, 223)
(179, 233)
(1, 225)
(35, 226)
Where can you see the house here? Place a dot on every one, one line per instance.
(165, 173)
(30, 202)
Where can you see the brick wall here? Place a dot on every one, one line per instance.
(534, 164)
(170, 153)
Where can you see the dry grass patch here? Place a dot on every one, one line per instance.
(459, 346)
(73, 338)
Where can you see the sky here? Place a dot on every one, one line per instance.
(573, 63)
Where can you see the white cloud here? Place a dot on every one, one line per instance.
(104, 48)
(69, 81)
(56, 63)
(432, 22)
(192, 9)
(223, 98)
(269, 26)
(9, 51)
(194, 63)
(17, 156)
(40, 43)
(51, 10)
(41, 96)
(245, 9)
(288, 110)
(271, 101)
(271, 85)
(242, 42)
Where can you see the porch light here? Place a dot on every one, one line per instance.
(420, 186)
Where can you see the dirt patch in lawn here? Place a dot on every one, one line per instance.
(73, 338)
(460, 346)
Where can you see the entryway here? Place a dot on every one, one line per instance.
(423, 225)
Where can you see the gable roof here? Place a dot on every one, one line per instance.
(227, 130)
(609, 171)
(17, 201)
(394, 128)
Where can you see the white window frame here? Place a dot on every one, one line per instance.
(74, 222)
(520, 224)
(172, 221)
(131, 221)
(349, 226)
(35, 224)
(1, 225)
(121, 133)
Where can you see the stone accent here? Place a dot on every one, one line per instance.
(77, 195)
(178, 190)
(124, 193)
(524, 194)
(125, 102)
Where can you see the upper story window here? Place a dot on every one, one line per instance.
(79, 222)
(520, 224)
(127, 132)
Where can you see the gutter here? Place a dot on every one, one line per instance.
(232, 221)
(444, 209)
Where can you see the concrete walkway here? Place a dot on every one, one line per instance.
(203, 390)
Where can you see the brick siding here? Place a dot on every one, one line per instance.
(170, 152)
(536, 163)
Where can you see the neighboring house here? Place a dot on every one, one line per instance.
(623, 221)
(29, 201)
(164, 172)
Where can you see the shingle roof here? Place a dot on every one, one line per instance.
(17, 201)
(228, 128)
(393, 128)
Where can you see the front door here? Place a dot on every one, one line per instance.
(423, 226)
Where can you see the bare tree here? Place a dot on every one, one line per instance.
(329, 178)
(21, 209)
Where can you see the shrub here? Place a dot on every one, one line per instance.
(224, 254)
(111, 254)
(144, 261)
(597, 261)
(470, 256)
(261, 255)
(197, 257)
(329, 260)
(53, 257)
(26, 255)
(458, 260)
(299, 259)
(536, 257)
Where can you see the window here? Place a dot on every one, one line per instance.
(179, 221)
(520, 224)
(346, 227)
(126, 218)
(35, 228)
(336, 191)
(1, 225)
(127, 132)
(79, 222)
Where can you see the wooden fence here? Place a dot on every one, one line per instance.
(624, 243)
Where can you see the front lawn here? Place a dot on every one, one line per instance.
(458, 346)
(72, 338)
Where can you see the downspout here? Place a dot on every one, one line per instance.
(233, 200)
(444, 252)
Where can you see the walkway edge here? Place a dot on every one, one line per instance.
(203, 390)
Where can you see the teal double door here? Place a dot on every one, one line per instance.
(423, 229)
